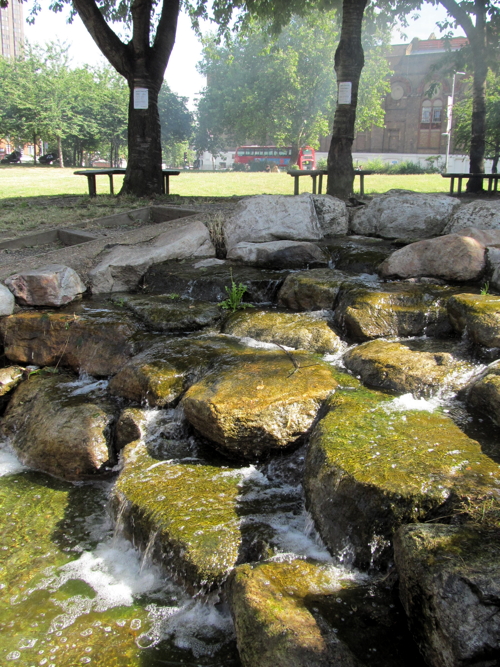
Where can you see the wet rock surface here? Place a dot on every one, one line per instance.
(450, 588)
(279, 254)
(96, 340)
(170, 313)
(316, 289)
(273, 625)
(372, 467)
(478, 316)
(268, 400)
(7, 301)
(399, 368)
(393, 309)
(56, 426)
(300, 331)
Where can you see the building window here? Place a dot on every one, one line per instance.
(432, 115)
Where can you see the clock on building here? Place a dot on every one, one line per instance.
(397, 91)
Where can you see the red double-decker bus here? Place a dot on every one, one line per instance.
(275, 154)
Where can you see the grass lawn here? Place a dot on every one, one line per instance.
(18, 181)
(45, 196)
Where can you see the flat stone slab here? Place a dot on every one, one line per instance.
(56, 426)
(297, 330)
(317, 289)
(170, 313)
(84, 337)
(279, 254)
(450, 588)
(357, 254)
(373, 465)
(399, 368)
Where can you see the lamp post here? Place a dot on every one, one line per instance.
(447, 134)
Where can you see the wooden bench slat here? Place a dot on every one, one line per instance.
(492, 180)
(315, 173)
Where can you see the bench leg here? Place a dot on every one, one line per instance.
(296, 185)
(320, 184)
(361, 185)
(459, 190)
(111, 184)
(314, 184)
(452, 184)
(91, 182)
(166, 186)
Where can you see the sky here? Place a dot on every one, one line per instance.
(181, 74)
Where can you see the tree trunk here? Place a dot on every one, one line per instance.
(60, 151)
(496, 156)
(34, 149)
(144, 175)
(478, 126)
(294, 155)
(349, 62)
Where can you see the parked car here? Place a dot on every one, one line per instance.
(13, 158)
(48, 158)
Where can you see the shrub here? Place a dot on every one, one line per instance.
(322, 163)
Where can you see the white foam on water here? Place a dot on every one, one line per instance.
(9, 463)
(259, 344)
(409, 402)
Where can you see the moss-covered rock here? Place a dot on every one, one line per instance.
(398, 309)
(484, 395)
(267, 401)
(160, 375)
(450, 588)
(274, 627)
(184, 510)
(170, 313)
(84, 337)
(10, 377)
(56, 427)
(301, 331)
(316, 289)
(371, 468)
(396, 367)
(478, 315)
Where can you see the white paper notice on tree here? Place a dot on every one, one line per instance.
(141, 98)
(345, 92)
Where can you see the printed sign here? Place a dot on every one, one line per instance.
(345, 92)
(141, 98)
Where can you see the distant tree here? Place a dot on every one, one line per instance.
(280, 90)
(177, 125)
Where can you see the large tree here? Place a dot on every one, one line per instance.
(480, 20)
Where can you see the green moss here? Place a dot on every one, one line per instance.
(190, 508)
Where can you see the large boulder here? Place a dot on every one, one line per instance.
(405, 216)
(57, 425)
(373, 465)
(332, 215)
(122, 268)
(170, 313)
(477, 315)
(7, 301)
(493, 267)
(297, 330)
(273, 218)
(452, 257)
(393, 309)
(399, 368)
(95, 340)
(279, 254)
(478, 214)
(267, 401)
(274, 626)
(53, 285)
(450, 588)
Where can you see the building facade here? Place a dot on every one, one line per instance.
(414, 123)
(12, 29)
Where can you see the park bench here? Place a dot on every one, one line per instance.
(318, 174)
(492, 181)
(92, 173)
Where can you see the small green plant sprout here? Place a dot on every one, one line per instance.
(174, 296)
(485, 289)
(234, 297)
